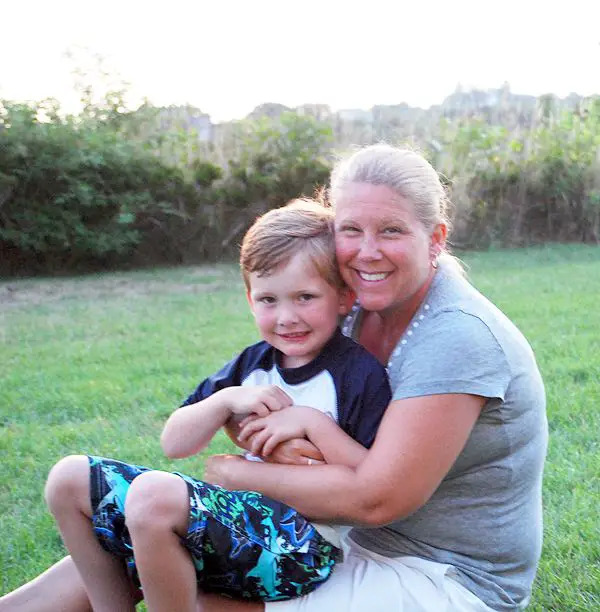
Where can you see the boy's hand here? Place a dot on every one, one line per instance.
(269, 431)
(260, 400)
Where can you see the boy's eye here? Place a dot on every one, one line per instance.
(266, 299)
(306, 297)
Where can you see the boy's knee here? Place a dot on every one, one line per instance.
(68, 483)
(155, 501)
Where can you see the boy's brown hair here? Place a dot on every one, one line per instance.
(301, 226)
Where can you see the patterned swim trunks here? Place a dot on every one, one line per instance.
(243, 544)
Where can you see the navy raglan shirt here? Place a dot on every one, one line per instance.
(345, 382)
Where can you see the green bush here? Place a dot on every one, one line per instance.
(87, 191)
(279, 159)
(530, 186)
(111, 187)
(75, 193)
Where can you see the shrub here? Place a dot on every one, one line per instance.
(74, 193)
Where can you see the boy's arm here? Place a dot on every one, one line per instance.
(347, 446)
(337, 447)
(190, 428)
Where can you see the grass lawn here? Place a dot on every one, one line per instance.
(95, 364)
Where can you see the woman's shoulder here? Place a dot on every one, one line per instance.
(459, 342)
(454, 304)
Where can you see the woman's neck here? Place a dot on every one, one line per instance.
(381, 330)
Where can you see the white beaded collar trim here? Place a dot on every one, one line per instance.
(351, 317)
(407, 334)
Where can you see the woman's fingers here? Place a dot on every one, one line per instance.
(311, 461)
(304, 449)
(271, 442)
(296, 452)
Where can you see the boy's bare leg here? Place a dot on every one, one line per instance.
(156, 513)
(58, 589)
(104, 575)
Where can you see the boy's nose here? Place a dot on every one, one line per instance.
(287, 316)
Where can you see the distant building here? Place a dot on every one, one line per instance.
(321, 112)
(187, 118)
(355, 114)
(470, 100)
(269, 109)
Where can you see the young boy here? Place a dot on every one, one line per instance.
(304, 377)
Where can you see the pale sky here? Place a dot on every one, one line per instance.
(228, 56)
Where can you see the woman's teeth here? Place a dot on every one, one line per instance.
(373, 277)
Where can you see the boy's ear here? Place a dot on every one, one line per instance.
(250, 302)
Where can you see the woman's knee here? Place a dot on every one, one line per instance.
(68, 484)
(157, 500)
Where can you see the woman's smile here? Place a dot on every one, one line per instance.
(373, 277)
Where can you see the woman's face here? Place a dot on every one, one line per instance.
(383, 250)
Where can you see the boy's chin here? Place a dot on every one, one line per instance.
(297, 359)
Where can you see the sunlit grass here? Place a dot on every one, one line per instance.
(95, 364)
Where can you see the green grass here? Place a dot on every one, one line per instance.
(95, 364)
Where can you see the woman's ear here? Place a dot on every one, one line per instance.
(438, 239)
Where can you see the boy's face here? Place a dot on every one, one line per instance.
(296, 309)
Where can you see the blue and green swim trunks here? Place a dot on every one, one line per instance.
(243, 544)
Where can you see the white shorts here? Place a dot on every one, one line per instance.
(368, 582)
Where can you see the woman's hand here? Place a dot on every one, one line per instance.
(218, 467)
(296, 452)
(277, 427)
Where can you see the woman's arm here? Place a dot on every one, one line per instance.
(418, 441)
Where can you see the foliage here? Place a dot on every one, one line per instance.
(115, 187)
(530, 186)
(111, 186)
(73, 192)
(278, 159)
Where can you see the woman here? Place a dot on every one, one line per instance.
(448, 499)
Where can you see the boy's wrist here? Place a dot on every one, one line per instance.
(224, 398)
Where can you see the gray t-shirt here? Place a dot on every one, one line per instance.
(485, 518)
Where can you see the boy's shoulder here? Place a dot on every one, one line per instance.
(260, 353)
